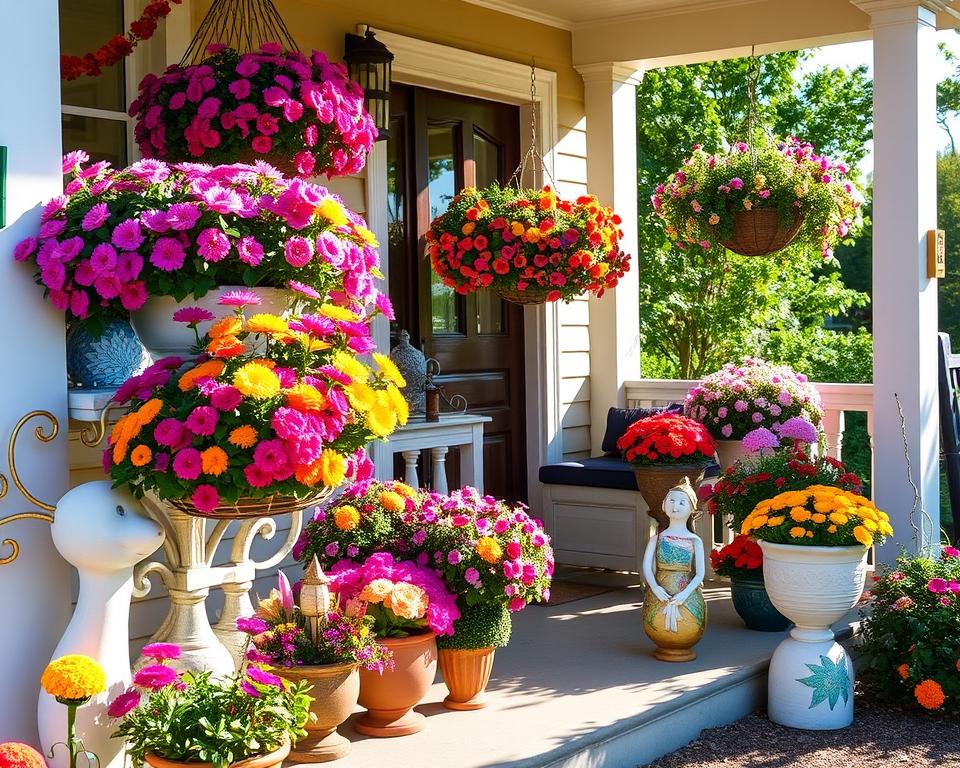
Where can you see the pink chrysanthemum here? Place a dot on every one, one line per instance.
(124, 703)
(161, 651)
(242, 297)
(155, 677)
(226, 398)
(203, 420)
(192, 315)
(205, 498)
(303, 288)
(187, 464)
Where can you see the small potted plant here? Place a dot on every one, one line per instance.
(311, 641)
(741, 561)
(910, 653)
(497, 559)
(740, 398)
(528, 245)
(274, 415)
(172, 720)
(663, 449)
(302, 114)
(410, 605)
(756, 200)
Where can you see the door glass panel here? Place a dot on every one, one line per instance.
(396, 213)
(100, 138)
(490, 312)
(442, 186)
(84, 26)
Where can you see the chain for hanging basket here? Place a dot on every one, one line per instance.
(243, 25)
(532, 156)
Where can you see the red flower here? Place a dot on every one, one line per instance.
(666, 436)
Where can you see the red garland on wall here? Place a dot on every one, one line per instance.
(118, 46)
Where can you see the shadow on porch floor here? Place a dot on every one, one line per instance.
(578, 687)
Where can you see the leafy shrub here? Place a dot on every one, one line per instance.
(479, 626)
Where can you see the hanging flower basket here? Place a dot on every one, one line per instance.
(758, 200)
(528, 245)
(303, 115)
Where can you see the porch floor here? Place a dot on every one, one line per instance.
(578, 687)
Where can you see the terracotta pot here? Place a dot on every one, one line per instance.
(729, 452)
(335, 689)
(655, 480)
(390, 698)
(466, 673)
(270, 760)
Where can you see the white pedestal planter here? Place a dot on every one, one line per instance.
(729, 452)
(163, 337)
(811, 676)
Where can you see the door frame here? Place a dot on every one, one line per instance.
(453, 70)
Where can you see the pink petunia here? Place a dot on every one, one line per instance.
(298, 251)
(161, 651)
(205, 498)
(951, 552)
(103, 259)
(213, 244)
(249, 250)
(133, 295)
(182, 216)
(129, 266)
(257, 477)
(155, 677)
(25, 248)
(79, 304)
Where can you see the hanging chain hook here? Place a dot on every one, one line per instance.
(532, 155)
(753, 79)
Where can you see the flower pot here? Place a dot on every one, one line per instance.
(163, 337)
(466, 673)
(246, 508)
(270, 760)
(335, 689)
(760, 231)
(752, 603)
(532, 296)
(108, 361)
(390, 698)
(655, 480)
(729, 452)
(811, 676)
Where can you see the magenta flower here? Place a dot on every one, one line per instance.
(124, 703)
(73, 160)
(95, 217)
(192, 315)
(938, 586)
(248, 689)
(263, 677)
(127, 235)
(759, 440)
(168, 432)
(182, 216)
(298, 251)
(155, 677)
(241, 297)
(249, 250)
(226, 398)
(286, 593)
(472, 576)
(271, 457)
(252, 625)
(256, 476)
(205, 498)
(161, 651)
(304, 289)
(951, 552)
(187, 464)
(167, 254)
(797, 428)
(203, 420)
(213, 245)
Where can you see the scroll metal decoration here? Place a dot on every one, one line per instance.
(44, 435)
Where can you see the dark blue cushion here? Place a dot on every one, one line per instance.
(618, 419)
(598, 472)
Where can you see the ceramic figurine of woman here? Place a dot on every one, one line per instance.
(674, 611)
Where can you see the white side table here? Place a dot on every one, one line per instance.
(458, 429)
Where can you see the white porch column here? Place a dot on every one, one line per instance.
(904, 298)
(611, 107)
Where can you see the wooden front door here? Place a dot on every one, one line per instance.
(438, 144)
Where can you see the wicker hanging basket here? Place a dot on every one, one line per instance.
(760, 232)
(247, 508)
(530, 296)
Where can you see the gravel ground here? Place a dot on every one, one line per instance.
(880, 736)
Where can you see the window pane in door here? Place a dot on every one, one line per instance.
(442, 186)
(85, 25)
(486, 156)
(100, 138)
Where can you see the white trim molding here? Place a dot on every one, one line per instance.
(452, 70)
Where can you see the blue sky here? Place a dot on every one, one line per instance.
(853, 54)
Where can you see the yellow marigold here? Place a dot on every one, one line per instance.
(226, 326)
(773, 522)
(333, 212)
(862, 535)
(797, 532)
(408, 601)
(348, 364)
(763, 506)
(140, 456)
(389, 369)
(399, 403)
(789, 499)
(800, 514)
(818, 517)
(243, 436)
(929, 694)
(392, 501)
(839, 518)
(266, 323)
(73, 678)
(347, 517)
(336, 312)
(214, 460)
(381, 418)
(361, 396)
(366, 235)
(307, 341)
(870, 526)
(377, 590)
(489, 549)
(405, 490)
(832, 529)
(333, 468)
(303, 397)
(257, 381)
(885, 528)
(148, 411)
(904, 671)
(209, 369)
(823, 506)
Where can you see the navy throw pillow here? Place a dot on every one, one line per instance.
(618, 419)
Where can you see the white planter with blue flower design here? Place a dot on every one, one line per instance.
(107, 361)
(811, 675)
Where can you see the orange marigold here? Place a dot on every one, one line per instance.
(904, 671)
(225, 346)
(148, 411)
(309, 474)
(214, 461)
(14, 754)
(211, 369)
(243, 437)
(303, 397)
(392, 502)
(226, 326)
(347, 517)
(140, 456)
(489, 549)
(929, 694)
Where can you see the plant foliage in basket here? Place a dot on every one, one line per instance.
(527, 242)
(276, 407)
(666, 438)
(116, 237)
(302, 113)
(699, 203)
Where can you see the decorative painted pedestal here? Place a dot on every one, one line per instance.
(811, 676)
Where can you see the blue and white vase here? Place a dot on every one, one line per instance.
(107, 361)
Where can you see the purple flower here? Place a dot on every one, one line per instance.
(331, 549)
(740, 406)
(263, 677)
(472, 576)
(124, 703)
(735, 183)
(155, 677)
(252, 625)
(454, 557)
(760, 440)
(726, 430)
(797, 428)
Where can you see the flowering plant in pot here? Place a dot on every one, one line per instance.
(275, 413)
(741, 561)
(910, 653)
(410, 605)
(310, 640)
(73, 680)
(529, 245)
(168, 719)
(497, 559)
(758, 200)
(745, 396)
(815, 543)
(367, 517)
(663, 449)
(301, 113)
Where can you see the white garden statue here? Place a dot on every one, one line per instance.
(102, 532)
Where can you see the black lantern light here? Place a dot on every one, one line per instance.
(369, 63)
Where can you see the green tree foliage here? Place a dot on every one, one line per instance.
(948, 219)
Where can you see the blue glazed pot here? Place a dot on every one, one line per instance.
(752, 604)
(108, 361)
